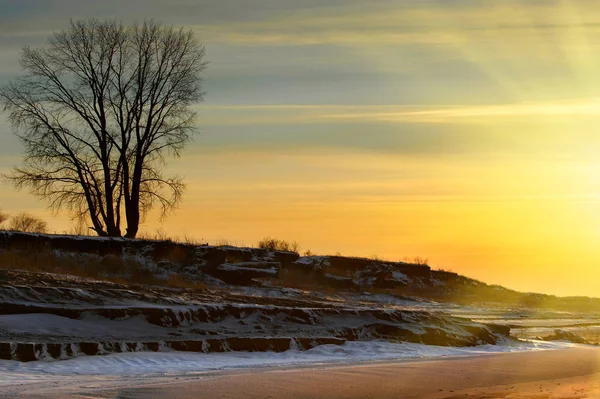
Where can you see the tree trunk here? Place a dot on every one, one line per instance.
(132, 204)
(133, 217)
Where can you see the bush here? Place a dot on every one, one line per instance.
(3, 217)
(28, 223)
(224, 242)
(274, 244)
(417, 260)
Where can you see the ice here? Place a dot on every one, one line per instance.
(161, 363)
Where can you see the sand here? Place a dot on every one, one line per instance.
(565, 374)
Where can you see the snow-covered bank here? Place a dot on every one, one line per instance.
(173, 363)
(43, 316)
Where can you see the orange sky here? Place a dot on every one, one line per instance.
(461, 132)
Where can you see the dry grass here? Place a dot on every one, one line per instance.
(224, 242)
(274, 244)
(416, 260)
(160, 235)
(108, 268)
(3, 217)
(187, 239)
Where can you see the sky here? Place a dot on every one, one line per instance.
(461, 131)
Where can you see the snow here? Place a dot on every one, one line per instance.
(338, 278)
(89, 325)
(154, 363)
(315, 262)
(232, 267)
(401, 277)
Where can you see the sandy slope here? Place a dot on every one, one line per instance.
(570, 373)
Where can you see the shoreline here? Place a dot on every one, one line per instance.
(572, 373)
(181, 364)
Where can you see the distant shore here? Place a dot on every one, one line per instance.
(567, 373)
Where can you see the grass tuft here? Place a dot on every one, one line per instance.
(274, 244)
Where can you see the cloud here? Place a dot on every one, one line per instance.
(401, 22)
(347, 22)
(384, 52)
(306, 113)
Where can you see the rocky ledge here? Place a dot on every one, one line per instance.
(49, 316)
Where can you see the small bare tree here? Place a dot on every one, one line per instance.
(97, 110)
(28, 223)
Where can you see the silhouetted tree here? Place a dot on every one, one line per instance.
(28, 223)
(97, 111)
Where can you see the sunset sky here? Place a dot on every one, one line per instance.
(466, 132)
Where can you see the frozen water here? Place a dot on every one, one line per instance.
(145, 363)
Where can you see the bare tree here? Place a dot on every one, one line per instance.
(98, 109)
(28, 223)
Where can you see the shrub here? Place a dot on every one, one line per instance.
(274, 244)
(3, 217)
(417, 260)
(28, 223)
(191, 240)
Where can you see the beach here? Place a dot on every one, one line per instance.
(561, 374)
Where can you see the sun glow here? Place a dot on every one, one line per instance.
(464, 132)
